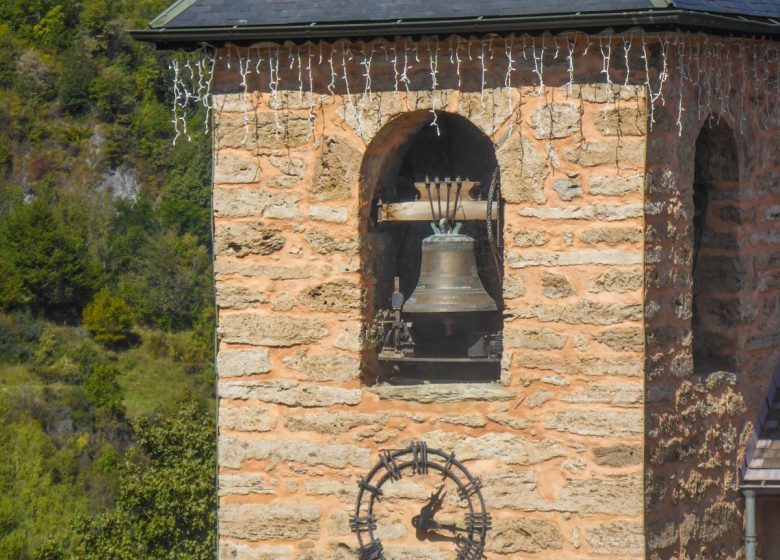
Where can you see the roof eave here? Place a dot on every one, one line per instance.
(172, 38)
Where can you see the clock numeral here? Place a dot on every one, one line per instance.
(450, 461)
(388, 461)
(364, 523)
(470, 489)
(468, 550)
(377, 492)
(420, 457)
(478, 522)
(372, 551)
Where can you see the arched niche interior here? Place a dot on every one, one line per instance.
(410, 149)
(720, 275)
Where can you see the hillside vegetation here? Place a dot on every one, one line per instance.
(107, 443)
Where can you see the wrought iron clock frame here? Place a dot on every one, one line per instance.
(419, 460)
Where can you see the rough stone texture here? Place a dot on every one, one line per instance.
(233, 452)
(630, 396)
(573, 258)
(274, 330)
(289, 393)
(241, 238)
(234, 551)
(617, 185)
(623, 339)
(246, 419)
(256, 522)
(522, 178)
(542, 339)
(444, 393)
(618, 456)
(243, 485)
(322, 213)
(238, 363)
(521, 534)
(568, 189)
(512, 449)
(333, 422)
(622, 121)
(619, 281)
(236, 169)
(334, 368)
(594, 212)
(336, 170)
(324, 243)
(625, 365)
(556, 286)
(238, 297)
(243, 203)
(514, 287)
(337, 296)
(531, 238)
(556, 120)
(612, 538)
(583, 423)
(607, 152)
(586, 312)
(262, 131)
(611, 236)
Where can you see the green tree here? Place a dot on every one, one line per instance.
(166, 507)
(108, 318)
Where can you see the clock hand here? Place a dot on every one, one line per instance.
(431, 524)
(429, 510)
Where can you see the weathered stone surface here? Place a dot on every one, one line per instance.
(274, 330)
(621, 495)
(573, 258)
(234, 451)
(343, 491)
(616, 395)
(468, 420)
(556, 286)
(488, 109)
(584, 312)
(616, 538)
(235, 169)
(607, 93)
(626, 365)
(289, 393)
(264, 130)
(242, 203)
(623, 339)
(444, 392)
(333, 422)
(514, 287)
(596, 423)
(594, 212)
(616, 185)
(291, 166)
(612, 236)
(243, 484)
(622, 121)
(618, 456)
(337, 296)
(234, 551)
(538, 398)
(533, 339)
(556, 120)
(237, 363)
(238, 297)
(275, 521)
(619, 281)
(248, 268)
(336, 214)
(246, 419)
(244, 238)
(607, 152)
(520, 534)
(568, 189)
(511, 449)
(324, 243)
(531, 238)
(334, 368)
(513, 422)
(336, 170)
(414, 553)
(513, 490)
(523, 171)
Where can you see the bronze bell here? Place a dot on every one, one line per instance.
(449, 282)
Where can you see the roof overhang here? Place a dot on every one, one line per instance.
(650, 20)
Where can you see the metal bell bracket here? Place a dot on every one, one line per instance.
(437, 199)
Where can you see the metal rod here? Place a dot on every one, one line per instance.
(447, 215)
(750, 524)
(430, 199)
(438, 195)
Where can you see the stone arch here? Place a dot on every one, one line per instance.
(408, 148)
(720, 272)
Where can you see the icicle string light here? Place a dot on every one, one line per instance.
(701, 76)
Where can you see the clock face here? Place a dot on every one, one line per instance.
(422, 498)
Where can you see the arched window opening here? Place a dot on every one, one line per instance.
(432, 252)
(719, 273)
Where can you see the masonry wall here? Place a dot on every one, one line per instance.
(698, 423)
(558, 442)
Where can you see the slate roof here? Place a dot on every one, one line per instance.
(194, 21)
(762, 458)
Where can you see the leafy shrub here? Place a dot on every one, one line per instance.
(19, 334)
(108, 319)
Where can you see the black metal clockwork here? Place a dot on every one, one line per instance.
(446, 510)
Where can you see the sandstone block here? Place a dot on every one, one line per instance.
(538, 398)
(511, 449)
(243, 484)
(616, 538)
(619, 281)
(342, 491)
(235, 169)
(568, 189)
(444, 392)
(291, 166)
(616, 395)
(234, 451)
(336, 170)
(334, 368)
(511, 490)
(242, 203)
(534, 339)
(468, 420)
(336, 214)
(618, 456)
(350, 338)
(263, 131)
(596, 423)
(238, 297)
(612, 236)
(617, 185)
(489, 110)
(333, 422)
(324, 243)
(531, 238)
(242, 238)
(337, 296)
(514, 287)
(609, 93)
(275, 521)
(607, 152)
(520, 534)
(595, 212)
(246, 419)
(514, 422)
(624, 365)
(289, 393)
(574, 258)
(556, 120)
(623, 339)
(584, 312)
(237, 363)
(234, 551)
(622, 121)
(248, 268)
(523, 171)
(274, 330)
(556, 286)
